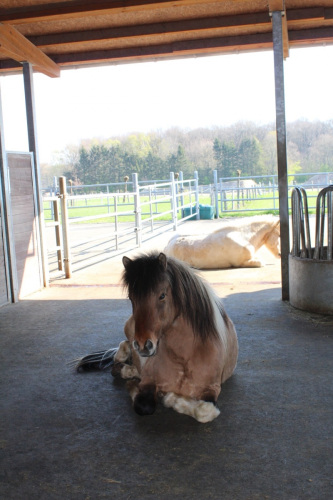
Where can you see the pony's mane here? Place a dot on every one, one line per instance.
(190, 294)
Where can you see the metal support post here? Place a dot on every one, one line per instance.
(65, 231)
(216, 193)
(173, 200)
(182, 199)
(196, 183)
(7, 221)
(281, 150)
(33, 148)
(151, 209)
(116, 225)
(196, 193)
(137, 208)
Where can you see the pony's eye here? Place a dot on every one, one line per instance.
(162, 296)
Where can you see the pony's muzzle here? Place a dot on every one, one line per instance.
(149, 348)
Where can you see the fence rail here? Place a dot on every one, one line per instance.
(141, 209)
(261, 193)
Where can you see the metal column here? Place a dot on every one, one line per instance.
(33, 147)
(281, 149)
(7, 221)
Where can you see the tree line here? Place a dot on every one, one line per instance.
(248, 148)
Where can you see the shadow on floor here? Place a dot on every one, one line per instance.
(75, 436)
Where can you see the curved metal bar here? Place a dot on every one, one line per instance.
(319, 253)
(330, 224)
(307, 243)
(300, 224)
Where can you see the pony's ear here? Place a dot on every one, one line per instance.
(126, 261)
(163, 260)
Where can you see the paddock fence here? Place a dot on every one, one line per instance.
(132, 213)
(261, 193)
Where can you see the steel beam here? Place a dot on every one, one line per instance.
(33, 148)
(7, 221)
(281, 149)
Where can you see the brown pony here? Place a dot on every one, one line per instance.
(181, 345)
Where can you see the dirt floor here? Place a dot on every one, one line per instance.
(65, 435)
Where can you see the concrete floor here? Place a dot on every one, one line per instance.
(65, 435)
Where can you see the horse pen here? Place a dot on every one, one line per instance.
(71, 435)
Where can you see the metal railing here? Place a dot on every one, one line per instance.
(144, 211)
(323, 249)
(238, 194)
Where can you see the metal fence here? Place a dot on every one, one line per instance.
(139, 209)
(134, 211)
(226, 194)
(261, 193)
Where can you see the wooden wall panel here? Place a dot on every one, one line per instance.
(25, 224)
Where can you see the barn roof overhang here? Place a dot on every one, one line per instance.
(52, 35)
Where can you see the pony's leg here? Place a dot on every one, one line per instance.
(252, 263)
(129, 372)
(144, 400)
(120, 368)
(202, 411)
(124, 352)
(249, 259)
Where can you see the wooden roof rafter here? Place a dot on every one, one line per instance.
(83, 8)
(15, 46)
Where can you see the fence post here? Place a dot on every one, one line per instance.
(107, 191)
(173, 200)
(65, 226)
(55, 205)
(196, 184)
(55, 185)
(181, 178)
(273, 187)
(238, 191)
(151, 209)
(216, 195)
(115, 204)
(222, 195)
(137, 208)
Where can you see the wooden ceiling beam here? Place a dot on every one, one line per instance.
(19, 48)
(83, 8)
(313, 36)
(285, 38)
(174, 49)
(77, 9)
(189, 48)
(183, 26)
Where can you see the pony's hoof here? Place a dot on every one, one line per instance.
(144, 403)
(170, 400)
(206, 412)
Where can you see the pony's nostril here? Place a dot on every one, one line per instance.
(135, 345)
(149, 345)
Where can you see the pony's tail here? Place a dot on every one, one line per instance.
(97, 361)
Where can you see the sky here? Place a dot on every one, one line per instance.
(212, 91)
